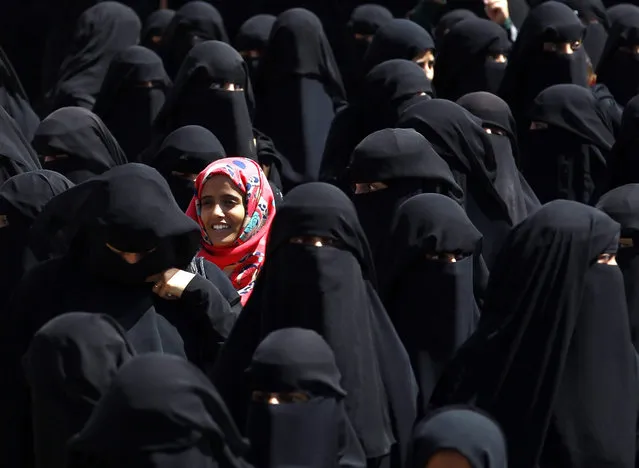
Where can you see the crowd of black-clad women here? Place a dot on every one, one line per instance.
(319, 234)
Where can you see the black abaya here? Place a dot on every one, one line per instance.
(14, 99)
(16, 154)
(132, 94)
(154, 28)
(553, 359)
(623, 161)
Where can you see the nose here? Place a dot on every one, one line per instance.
(217, 210)
(131, 257)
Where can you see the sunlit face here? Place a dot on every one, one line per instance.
(130, 257)
(222, 210)
(448, 459)
(369, 187)
(607, 259)
(427, 62)
(279, 398)
(565, 48)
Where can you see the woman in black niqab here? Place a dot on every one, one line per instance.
(75, 142)
(212, 90)
(195, 22)
(427, 283)
(159, 412)
(185, 153)
(388, 89)
(623, 161)
(471, 57)
(449, 20)
(299, 89)
(22, 198)
(458, 434)
(297, 415)
(14, 99)
(101, 32)
(132, 94)
(69, 366)
(387, 168)
(318, 261)
(496, 198)
(619, 65)
(252, 39)
(622, 205)
(565, 151)
(399, 39)
(554, 297)
(548, 51)
(154, 28)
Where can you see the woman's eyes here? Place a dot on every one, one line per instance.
(445, 257)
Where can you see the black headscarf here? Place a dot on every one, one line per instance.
(253, 37)
(398, 39)
(195, 22)
(494, 114)
(187, 150)
(463, 430)
(14, 99)
(622, 205)
(531, 363)
(16, 154)
(154, 28)
(69, 366)
(159, 412)
(132, 94)
(619, 65)
(101, 32)
(465, 59)
(568, 159)
(388, 89)
(22, 198)
(495, 197)
(623, 161)
(334, 286)
(75, 142)
(199, 98)
(406, 162)
(430, 301)
(299, 89)
(313, 433)
(531, 69)
(449, 20)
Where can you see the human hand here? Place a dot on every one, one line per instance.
(171, 283)
(497, 10)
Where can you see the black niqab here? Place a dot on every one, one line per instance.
(466, 59)
(154, 28)
(531, 69)
(16, 154)
(199, 98)
(299, 89)
(622, 205)
(406, 162)
(159, 412)
(75, 142)
(619, 65)
(313, 433)
(252, 38)
(398, 39)
(132, 94)
(14, 99)
(69, 366)
(495, 197)
(623, 161)
(449, 20)
(334, 286)
(101, 32)
(532, 363)
(568, 159)
(185, 152)
(195, 22)
(464, 430)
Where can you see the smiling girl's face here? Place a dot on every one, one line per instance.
(222, 210)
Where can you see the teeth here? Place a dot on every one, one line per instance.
(220, 227)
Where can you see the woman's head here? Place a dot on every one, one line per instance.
(234, 201)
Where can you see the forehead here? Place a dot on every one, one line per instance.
(220, 184)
